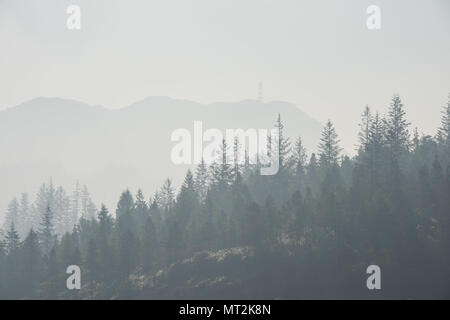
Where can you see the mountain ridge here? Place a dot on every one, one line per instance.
(112, 149)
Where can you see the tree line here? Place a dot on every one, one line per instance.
(22, 214)
(316, 224)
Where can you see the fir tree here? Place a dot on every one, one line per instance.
(31, 264)
(12, 240)
(444, 130)
(25, 214)
(300, 157)
(329, 149)
(365, 126)
(396, 129)
(283, 146)
(201, 180)
(12, 214)
(167, 195)
(46, 232)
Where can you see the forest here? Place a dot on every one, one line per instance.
(228, 232)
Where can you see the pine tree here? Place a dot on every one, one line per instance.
(300, 157)
(236, 171)
(12, 279)
(155, 209)
(46, 232)
(222, 175)
(396, 126)
(141, 205)
(125, 213)
(365, 125)
(282, 147)
(444, 129)
(12, 240)
(88, 209)
(329, 149)
(30, 266)
(371, 152)
(376, 135)
(313, 173)
(105, 249)
(141, 208)
(12, 214)
(167, 194)
(51, 194)
(156, 201)
(186, 200)
(246, 160)
(40, 205)
(75, 205)
(25, 215)
(104, 220)
(62, 219)
(201, 180)
(125, 205)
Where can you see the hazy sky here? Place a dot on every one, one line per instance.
(317, 54)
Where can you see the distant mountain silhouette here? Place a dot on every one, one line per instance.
(109, 150)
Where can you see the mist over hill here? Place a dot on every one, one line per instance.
(109, 150)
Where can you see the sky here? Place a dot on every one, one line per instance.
(317, 54)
